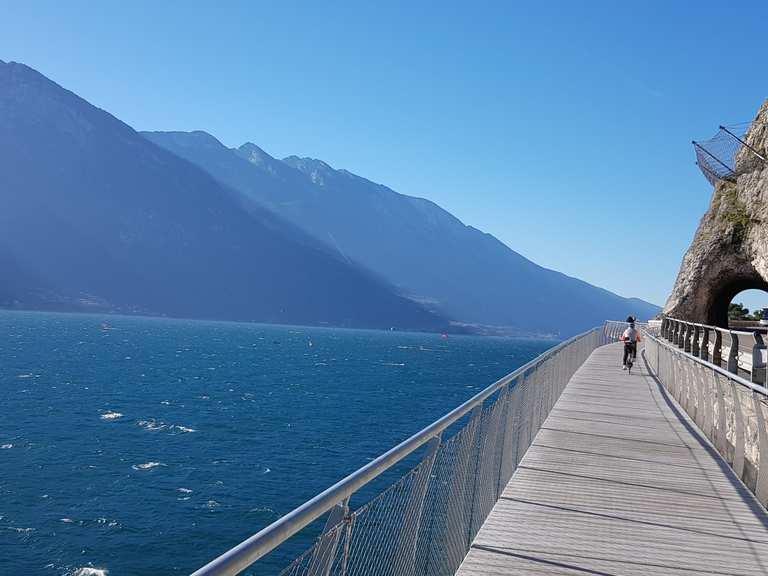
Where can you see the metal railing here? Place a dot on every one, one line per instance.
(733, 350)
(615, 328)
(424, 522)
(728, 409)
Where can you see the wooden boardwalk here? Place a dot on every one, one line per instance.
(620, 482)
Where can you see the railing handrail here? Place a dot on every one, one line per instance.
(718, 328)
(730, 375)
(256, 546)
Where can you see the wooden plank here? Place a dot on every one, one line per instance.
(620, 482)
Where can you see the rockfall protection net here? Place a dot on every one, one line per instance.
(425, 522)
(716, 157)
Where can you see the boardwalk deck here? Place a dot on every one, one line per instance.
(620, 482)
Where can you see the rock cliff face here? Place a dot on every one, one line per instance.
(730, 249)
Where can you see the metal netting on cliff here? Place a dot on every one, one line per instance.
(716, 157)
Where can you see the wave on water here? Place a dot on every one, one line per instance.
(393, 364)
(184, 490)
(90, 571)
(147, 465)
(6, 446)
(153, 425)
(111, 415)
(263, 510)
(107, 522)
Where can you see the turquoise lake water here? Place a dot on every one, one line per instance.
(148, 446)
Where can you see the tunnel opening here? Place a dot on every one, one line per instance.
(739, 303)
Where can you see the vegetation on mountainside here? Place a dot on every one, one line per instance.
(733, 213)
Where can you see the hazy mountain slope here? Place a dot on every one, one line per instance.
(92, 210)
(412, 242)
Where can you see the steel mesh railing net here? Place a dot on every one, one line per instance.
(732, 416)
(425, 522)
(716, 157)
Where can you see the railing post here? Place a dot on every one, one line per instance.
(695, 343)
(522, 418)
(460, 490)
(509, 450)
(325, 551)
(349, 521)
(533, 404)
(758, 360)
(473, 478)
(721, 436)
(761, 488)
(738, 445)
(717, 358)
(710, 397)
(690, 390)
(688, 336)
(409, 533)
(701, 399)
(704, 352)
(733, 354)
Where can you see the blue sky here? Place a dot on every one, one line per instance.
(563, 128)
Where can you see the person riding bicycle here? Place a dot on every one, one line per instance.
(630, 337)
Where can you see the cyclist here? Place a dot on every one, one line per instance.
(630, 337)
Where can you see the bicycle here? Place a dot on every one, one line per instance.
(631, 355)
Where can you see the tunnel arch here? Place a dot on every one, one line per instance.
(723, 295)
(711, 283)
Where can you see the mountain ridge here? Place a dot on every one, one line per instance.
(95, 215)
(437, 258)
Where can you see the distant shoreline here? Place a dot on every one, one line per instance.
(457, 331)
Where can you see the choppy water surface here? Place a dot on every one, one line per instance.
(148, 446)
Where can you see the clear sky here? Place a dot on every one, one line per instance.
(563, 128)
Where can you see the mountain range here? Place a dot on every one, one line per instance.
(422, 249)
(96, 217)
(100, 217)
